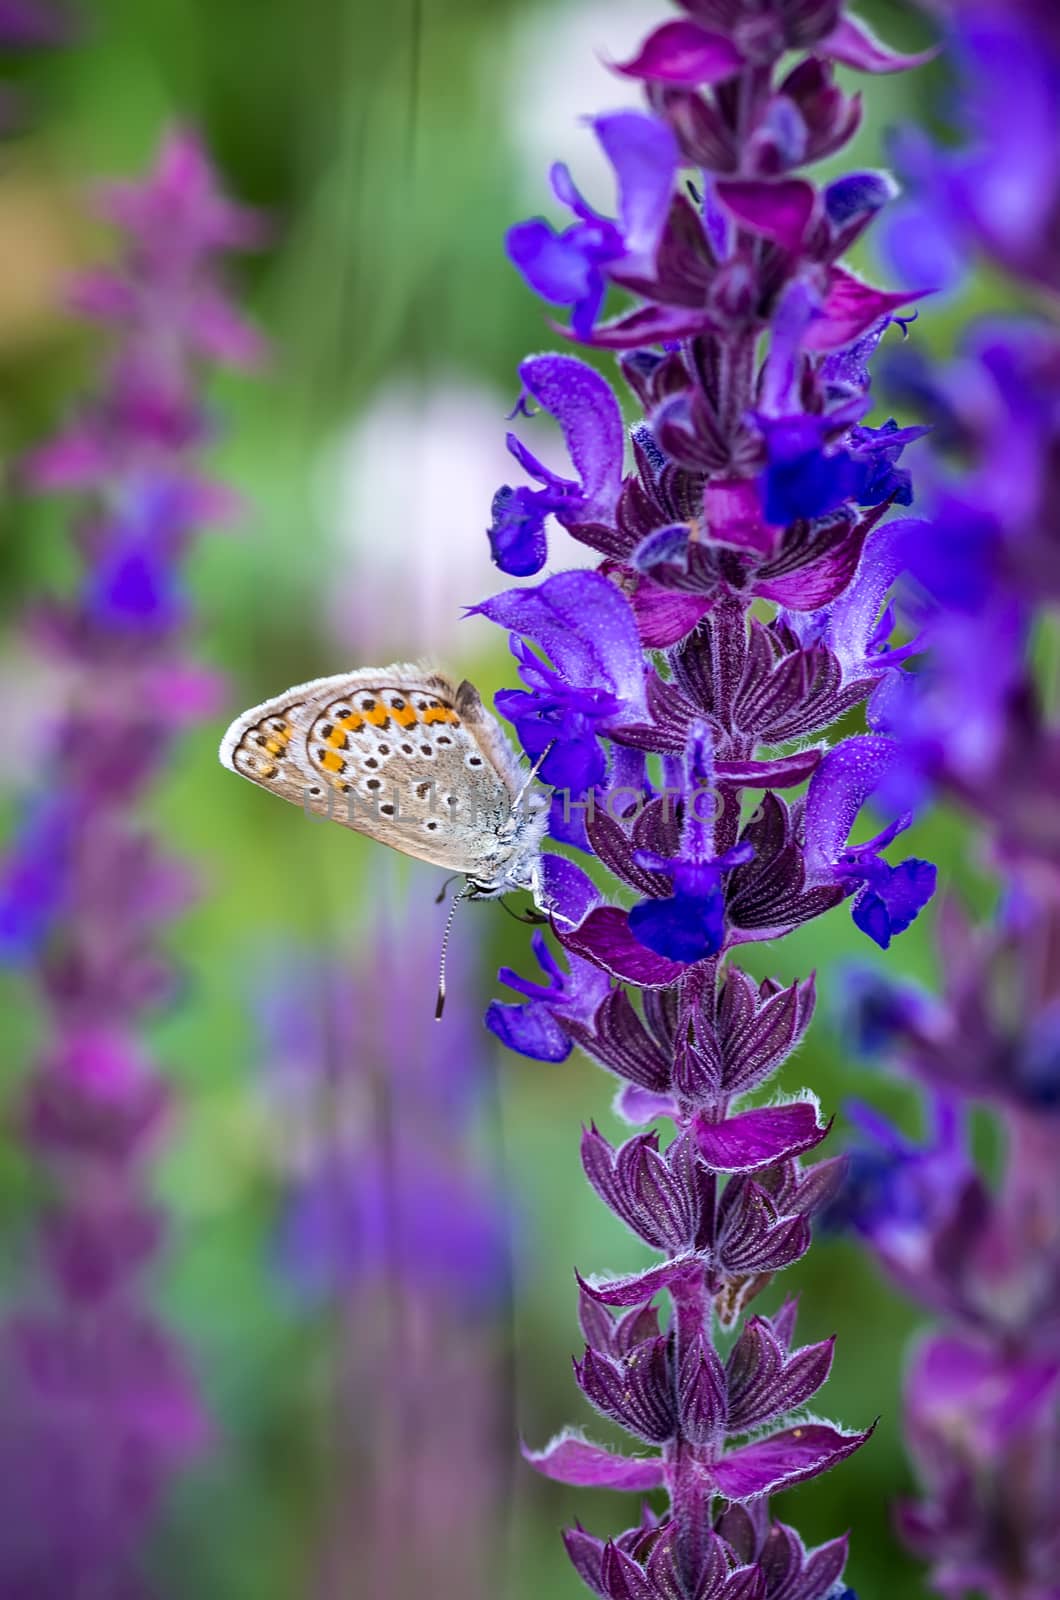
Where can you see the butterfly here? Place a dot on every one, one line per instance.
(403, 755)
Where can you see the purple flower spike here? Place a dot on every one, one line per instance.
(100, 1410)
(679, 698)
(588, 414)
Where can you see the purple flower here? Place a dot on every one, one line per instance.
(1001, 190)
(134, 584)
(689, 924)
(536, 1028)
(886, 898)
(572, 268)
(876, 1012)
(25, 24)
(587, 411)
(803, 479)
(34, 881)
(417, 1218)
(898, 1193)
(857, 626)
(981, 1436)
(596, 682)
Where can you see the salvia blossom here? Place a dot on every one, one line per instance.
(979, 722)
(386, 1203)
(740, 607)
(98, 1397)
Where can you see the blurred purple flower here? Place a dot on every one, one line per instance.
(96, 1393)
(387, 1202)
(26, 24)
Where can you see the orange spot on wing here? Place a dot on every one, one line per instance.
(332, 762)
(274, 746)
(337, 739)
(405, 717)
(352, 722)
(439, 714)
(379, 716)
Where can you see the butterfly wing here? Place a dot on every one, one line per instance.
(394, 752)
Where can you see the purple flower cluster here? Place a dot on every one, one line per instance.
(99, 1406)
(740, 608)
(386, 1202)
(979, 721)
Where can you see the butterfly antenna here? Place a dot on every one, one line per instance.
(444, 890)
(439, 1005)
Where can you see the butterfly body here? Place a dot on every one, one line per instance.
(402, 754)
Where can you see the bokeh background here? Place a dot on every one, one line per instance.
(390, 146)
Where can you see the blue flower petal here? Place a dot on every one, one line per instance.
(684, 927)
(530, 1030)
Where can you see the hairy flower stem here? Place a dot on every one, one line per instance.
(690, 1495)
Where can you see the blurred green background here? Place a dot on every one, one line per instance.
(390, 145)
